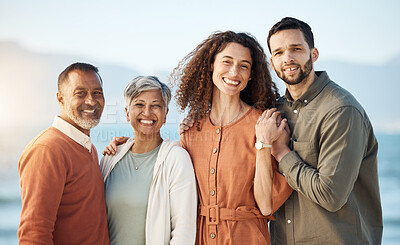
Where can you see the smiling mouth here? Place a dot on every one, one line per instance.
(89, 111)
(146, 122)
(231, 82)
(291, 70)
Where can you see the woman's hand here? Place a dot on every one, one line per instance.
(270, 126)
(186, 123)
(111, 149)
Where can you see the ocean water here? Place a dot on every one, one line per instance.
(389, 173)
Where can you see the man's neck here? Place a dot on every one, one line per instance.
(297, 90)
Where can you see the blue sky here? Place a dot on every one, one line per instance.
(154, 35)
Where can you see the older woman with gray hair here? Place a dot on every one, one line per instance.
(149, 183)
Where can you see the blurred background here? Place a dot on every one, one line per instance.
(358, 43)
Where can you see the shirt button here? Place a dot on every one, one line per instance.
(213, 236)
(295, 111)
(289, 221)
(215, 150)
(218, 131)
(212, 192)
(212, 171)
(306, 101)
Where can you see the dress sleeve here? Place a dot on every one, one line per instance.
(341, 151)
(281, 191)
(42, 179)
(183, 198)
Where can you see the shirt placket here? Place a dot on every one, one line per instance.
(289, 220)
(212, 183)
(294, 110)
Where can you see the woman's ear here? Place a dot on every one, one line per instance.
(127, 113)
(165, 116)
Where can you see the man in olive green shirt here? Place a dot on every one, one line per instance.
(331, 158)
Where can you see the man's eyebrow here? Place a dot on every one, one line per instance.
(291, 46)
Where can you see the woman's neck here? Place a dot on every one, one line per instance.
(226, 109)
(145, 144)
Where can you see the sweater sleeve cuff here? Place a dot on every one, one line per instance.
(288, 161)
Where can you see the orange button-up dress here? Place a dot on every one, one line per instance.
(224, 160)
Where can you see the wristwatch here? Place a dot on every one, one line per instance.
(260, 145)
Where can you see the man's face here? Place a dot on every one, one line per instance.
(291, 57)
(81, 99)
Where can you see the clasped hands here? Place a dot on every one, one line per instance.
(272, 129)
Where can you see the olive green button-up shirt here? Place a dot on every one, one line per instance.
(332, 168)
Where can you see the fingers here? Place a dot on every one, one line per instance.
(108, 151)
(270, 113)
(187, 121)
(278, 120)
(182, 128)
(283, 125)
(120, 140)
(287, 129)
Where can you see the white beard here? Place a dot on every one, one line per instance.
(83, 123)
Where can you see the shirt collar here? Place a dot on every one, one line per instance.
(72, 132)
(315, 88)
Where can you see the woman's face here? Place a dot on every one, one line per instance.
(147, 113)
(232, 69)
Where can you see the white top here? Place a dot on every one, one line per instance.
(172, 204)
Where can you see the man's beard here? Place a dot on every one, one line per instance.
(83, 123)
(304, 73)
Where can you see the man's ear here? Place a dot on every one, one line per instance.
(60, 98)
(314, 54)
(271, 64)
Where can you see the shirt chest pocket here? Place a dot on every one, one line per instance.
(307, 152)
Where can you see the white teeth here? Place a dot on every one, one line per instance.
(291, 69)
(88, 111)
(146, 121)
(229, 81)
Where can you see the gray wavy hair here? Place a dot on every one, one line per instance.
(141, 84)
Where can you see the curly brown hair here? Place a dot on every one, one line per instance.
(194, 75)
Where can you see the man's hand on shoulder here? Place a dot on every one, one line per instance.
(111, 149)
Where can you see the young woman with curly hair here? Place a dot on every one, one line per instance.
(224, 84)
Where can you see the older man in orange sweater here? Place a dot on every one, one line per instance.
(61, 185)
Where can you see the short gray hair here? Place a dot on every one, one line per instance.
(141, 84)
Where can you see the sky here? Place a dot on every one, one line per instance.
(150, 35)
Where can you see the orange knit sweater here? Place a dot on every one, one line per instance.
(62, 192)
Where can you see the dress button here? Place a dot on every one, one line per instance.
(212, 192)
(213, 236)
(215, 150)
(295, 111)
(212, 171)
(289, 221)
(218, 131)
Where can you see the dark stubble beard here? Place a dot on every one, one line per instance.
(304, 73)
